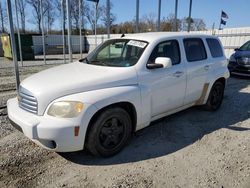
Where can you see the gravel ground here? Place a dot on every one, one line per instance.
(193, 148)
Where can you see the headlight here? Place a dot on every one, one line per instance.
(232, 59)
(245, 60)
(65, 109)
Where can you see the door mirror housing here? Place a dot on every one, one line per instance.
(160, 62)
(236, 49)
(165, 61)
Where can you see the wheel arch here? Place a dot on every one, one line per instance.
(220, 79)
(128, 106)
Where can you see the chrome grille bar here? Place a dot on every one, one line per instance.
(27, 101)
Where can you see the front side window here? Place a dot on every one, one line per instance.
(194, 49)
(168, 49)
(214, 47)
(117, 53)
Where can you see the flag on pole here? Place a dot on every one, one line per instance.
(224, 15)
(222, 19)
(223, 22)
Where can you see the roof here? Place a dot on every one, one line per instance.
(152, 36)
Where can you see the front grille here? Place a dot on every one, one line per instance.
(27, 101)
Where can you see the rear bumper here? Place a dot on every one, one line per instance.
(53, 133)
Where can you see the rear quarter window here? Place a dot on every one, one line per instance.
(194, 49)
(214, 47)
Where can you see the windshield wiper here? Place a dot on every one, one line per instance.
(99, 62)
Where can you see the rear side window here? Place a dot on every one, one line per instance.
(214, 47)
(195, 49)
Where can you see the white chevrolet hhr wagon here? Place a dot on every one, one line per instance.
(124, 84)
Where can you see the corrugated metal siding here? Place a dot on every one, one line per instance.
(55, 41)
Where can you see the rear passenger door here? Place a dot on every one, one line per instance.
(197, 68)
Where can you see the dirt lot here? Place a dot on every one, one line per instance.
(193, 148)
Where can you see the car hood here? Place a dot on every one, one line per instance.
(240, 53)
(73, 78)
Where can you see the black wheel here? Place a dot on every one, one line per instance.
(109, 133)
(215, 97)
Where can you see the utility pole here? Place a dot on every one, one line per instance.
(80, 26)
(108, 18)
(189, 16)
(159, 16)
(69, 30)
(42, 27)
(63, 34)
(18, 35)
(13, 44)
(175, 15)
(137, 16)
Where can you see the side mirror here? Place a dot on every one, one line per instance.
(165, 61)
(236, 49)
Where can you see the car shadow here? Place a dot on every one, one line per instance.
(175, 132)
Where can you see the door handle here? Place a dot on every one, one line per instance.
(178, 74)
(207, 67)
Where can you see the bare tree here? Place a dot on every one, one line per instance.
(3, 17)
(148, 22)
(36, 13)
(74, 13)
(197, 24)
(90, 15)
(62, 9)
(48, 13)
(165, 25)
(104, 16)
(21, 5)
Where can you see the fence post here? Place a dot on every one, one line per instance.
(42, 27)
(80, 26)
(13, 44)
(63, 34)
(69, 30)
(18, 34)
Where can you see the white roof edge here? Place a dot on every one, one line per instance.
(151, 36)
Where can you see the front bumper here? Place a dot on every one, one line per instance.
(53, 133)
(237, 69)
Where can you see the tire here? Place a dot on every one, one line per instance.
(215, 97)
(109, 133)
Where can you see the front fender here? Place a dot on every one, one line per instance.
(98, 99)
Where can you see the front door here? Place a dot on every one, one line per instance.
(166, 85)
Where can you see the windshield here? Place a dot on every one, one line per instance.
(117, 53)
(245, 47)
